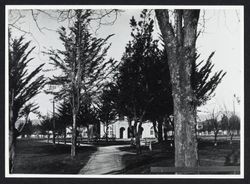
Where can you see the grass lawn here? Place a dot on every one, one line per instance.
(34, 157)
(163, 156)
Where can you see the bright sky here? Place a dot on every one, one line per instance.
(221, 32)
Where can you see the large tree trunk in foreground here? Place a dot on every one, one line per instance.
(180, 46)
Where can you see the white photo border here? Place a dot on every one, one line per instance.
(144, 176)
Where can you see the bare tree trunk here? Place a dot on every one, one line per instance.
(76, 80)
(160, 139)
(137, 133)
(48, 137)
(129, 128)
(88, 133)
(130, 132)
(165, 134)
(65, 135)
(106, 133)
(180, 46)
(155, 129)
(58, 139)
(53, 137)
(12, 147)
(215, 137)
(231, 137)
(12, 134)
(138, 144)
(73, 138)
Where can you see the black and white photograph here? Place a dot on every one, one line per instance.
(118, 91)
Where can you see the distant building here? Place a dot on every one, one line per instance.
(120, 130)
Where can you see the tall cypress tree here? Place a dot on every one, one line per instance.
(142, 76)
(23, 86)
(82, 63)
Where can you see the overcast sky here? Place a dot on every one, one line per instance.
(221, 32)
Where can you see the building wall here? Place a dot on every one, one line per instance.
(119, 130)
(148, 130)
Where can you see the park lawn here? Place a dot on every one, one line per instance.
(163, 156)
(34, 157)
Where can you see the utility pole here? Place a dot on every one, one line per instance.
(52, 87)
(54, 126)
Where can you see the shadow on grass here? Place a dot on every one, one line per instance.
(33, 157)
(224, 154)
(161, 155)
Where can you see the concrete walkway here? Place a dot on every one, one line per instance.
(106, 160)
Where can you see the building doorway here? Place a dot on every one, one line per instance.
(122, 132)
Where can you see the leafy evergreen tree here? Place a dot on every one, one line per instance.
(107, 108)
(46, 125)
(234, 125)
(23, 86)
(203, 82)
(87, 116)
(145, 89)
(27, 128)
(64, 119)
(82, 64)
(224, 122)
(143, 78)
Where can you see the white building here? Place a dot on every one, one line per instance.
(120, 130)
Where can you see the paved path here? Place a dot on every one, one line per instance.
(106, 160)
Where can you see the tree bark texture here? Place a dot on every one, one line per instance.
(179, 43)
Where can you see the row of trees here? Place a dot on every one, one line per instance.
(228, 123)
(151, 82)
